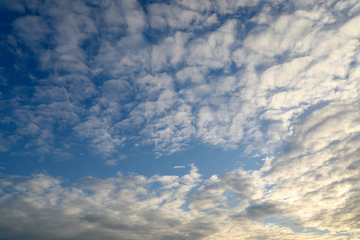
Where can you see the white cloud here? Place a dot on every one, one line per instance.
(173, 16)
(211, 78)
(197, 5)
(179, 166)
(312, 183)
(111, 162)
(4, 144)
(170, 52)
(320, 160)
(101, 136)
(33, 30)
(278, 79)
(190, 73)
(213, 52)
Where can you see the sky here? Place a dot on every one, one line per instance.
(179, 119)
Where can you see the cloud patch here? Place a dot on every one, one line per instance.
(179, 166)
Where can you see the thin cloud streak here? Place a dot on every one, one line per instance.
(179, 166)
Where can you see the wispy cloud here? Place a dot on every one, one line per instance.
(179, 166)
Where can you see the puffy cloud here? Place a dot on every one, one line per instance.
(168, 74)
(170, 52)
(311, 184)
(163, 15)
(115, 203)
(213, 52)
(280, 78)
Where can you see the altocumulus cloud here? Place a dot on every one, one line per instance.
(279, 78)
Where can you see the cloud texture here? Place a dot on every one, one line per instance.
(279, 78)
(177, 74)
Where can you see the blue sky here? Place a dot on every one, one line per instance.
(202, 119)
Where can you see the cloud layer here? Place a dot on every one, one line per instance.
(280, 78)
(168, 74)
(313, 184)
